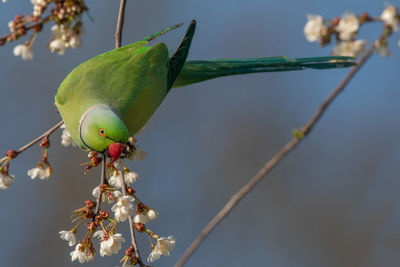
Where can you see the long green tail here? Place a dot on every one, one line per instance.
(195, 71)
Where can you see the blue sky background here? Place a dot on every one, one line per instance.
(334, 201)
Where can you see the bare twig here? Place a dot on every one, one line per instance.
(274, 161)
(120, 24)
(102, 181)
(37, 139)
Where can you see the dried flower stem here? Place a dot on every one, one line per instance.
(274, 161)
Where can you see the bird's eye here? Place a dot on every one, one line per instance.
(102, 132)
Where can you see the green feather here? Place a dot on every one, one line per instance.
(195, 71)
(129, 83)
(131, 80)
(178, 59)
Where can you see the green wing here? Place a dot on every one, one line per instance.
(178, 59)
(195, 71)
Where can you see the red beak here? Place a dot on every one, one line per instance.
(115, 150)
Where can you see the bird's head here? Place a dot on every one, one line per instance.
(101, 129)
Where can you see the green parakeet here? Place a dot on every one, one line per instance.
(109, 98)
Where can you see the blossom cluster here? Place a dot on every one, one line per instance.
(67, 31)
(345, 30)
(5, 178)
(43, 169)
(102, 224)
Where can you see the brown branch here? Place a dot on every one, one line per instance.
(120, 24)
(274, 161)
(37, 139)
(31, 26)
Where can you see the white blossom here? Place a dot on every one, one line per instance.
(4, 1)
(65, 38)
(162, 248)
(68, 236)
(79, 254)
(390, 17)
(39, 2)
(46, 174)
(54, 28)
(348, 26)
(38, 7)
(119, 164)
(99, 234)
(36, 172)
(130, 177)
(110, 245)
(37, 10)
(90, 256)
(140, 218)
(315, 28)
(350, 49)
(123, 208)
(24, 51)
(74, 41)
(57, 45)
(40, 172)
(66, 138)
(152, 214)
(154, 255)
(11, 25)
(115, 193)
(115, 179)
(6, 180)
(144, 217)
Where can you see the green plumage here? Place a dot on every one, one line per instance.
(132, 82)
(195, 71)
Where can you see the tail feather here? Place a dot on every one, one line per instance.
(195, 71)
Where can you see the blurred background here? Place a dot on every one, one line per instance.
(334, 201)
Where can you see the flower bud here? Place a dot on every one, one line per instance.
(90, 204)
(139, 227)
(11, 154)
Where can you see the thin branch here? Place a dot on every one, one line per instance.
(120, 24)
(37, 139)
(34, 141)
(31, 26)
(102, 181)
(131, 222)
(274, 161)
